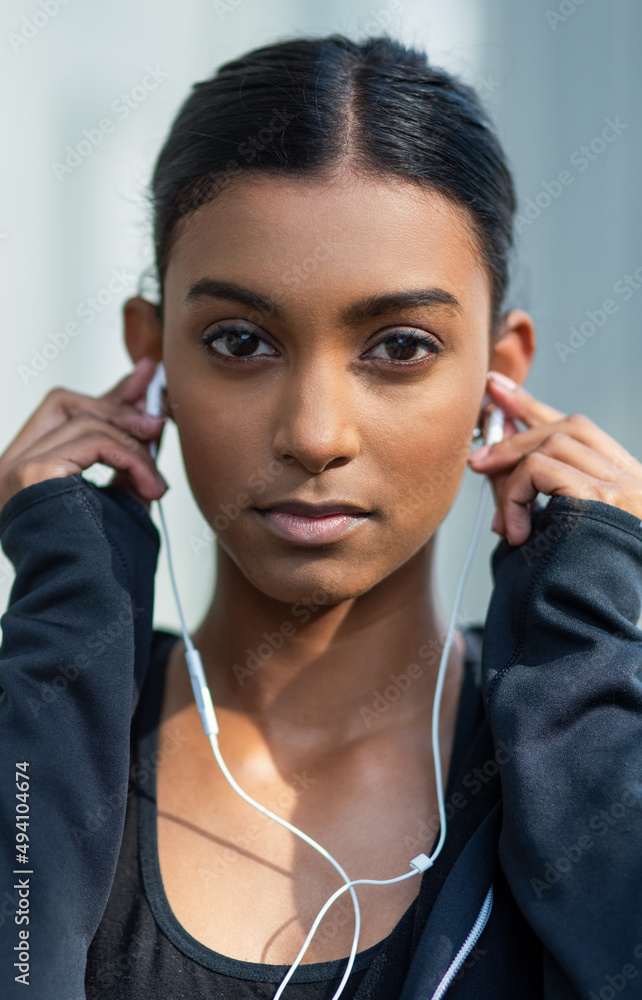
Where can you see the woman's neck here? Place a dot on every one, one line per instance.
(314, 678)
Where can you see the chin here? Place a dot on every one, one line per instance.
(308, 581)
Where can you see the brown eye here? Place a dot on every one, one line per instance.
(236, 342)
(404, 347)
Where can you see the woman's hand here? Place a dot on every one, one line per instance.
(557, 455)
(69, 432)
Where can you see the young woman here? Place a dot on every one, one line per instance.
(332, 225)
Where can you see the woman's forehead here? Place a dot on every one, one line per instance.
(355, 229)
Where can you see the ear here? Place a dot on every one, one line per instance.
(143, 330)
(511, 351)
(513, 346)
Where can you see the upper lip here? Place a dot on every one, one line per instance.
(315, 509)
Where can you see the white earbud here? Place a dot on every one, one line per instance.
(154, 399)
(495, 426)
(154, 396)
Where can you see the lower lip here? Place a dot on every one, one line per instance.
(311, 530)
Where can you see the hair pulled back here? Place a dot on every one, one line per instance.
(306, 106)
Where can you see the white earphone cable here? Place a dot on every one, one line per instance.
(436, 757)
(210, 726)
(205, 706)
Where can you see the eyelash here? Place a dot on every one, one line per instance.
(419, 340)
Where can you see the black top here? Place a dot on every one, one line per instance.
(546, 804)
(141, 951)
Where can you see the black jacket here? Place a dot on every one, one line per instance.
(552, 780)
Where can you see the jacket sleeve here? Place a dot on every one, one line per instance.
(75, 646)
(562, 686)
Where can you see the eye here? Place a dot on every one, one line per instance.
(236, 342)
(403, 345)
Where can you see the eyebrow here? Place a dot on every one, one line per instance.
(366, 308)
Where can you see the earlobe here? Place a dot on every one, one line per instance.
(142, 329)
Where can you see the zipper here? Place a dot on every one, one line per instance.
(466, 948)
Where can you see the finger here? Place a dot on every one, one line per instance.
(123, 481)
(83, 452)
(518, 403)
(572, 453)
(540, 473)
(497, 524)
(568, 449)
(507, 453)
(498, 483)
(132, 386)
(124, 415)
(564, 449)
(510, 428)
(60, 406)
(84, 423)
(581, 456)
(87, 426)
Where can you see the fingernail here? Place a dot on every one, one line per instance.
(502, 380)
(479, 453)
(495, 523)
(161, 482)
(152, 419)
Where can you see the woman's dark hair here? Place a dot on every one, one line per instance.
(301, 107)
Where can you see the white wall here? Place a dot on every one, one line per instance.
(62, 237)
(553, 81)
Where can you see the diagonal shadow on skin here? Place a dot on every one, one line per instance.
(223, 843)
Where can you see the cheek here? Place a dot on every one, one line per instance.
(224, 454)
(420, 465)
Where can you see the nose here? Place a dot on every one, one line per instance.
(316, 424)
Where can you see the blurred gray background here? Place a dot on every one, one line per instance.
(554, 79)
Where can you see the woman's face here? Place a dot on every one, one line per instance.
(339, 389)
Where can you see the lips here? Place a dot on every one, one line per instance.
(313, 523)
(307, 509)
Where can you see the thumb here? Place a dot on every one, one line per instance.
(131, 388)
